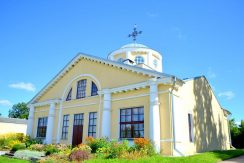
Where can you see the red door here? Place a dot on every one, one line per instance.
(77, 129)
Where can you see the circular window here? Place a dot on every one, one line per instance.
(155, 63)
(120, 60)
(139, 60)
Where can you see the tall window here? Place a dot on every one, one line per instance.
(139, 60)
(69, 95)
(65, 127)
(93, 89)
(42, 127)
(92, 124)
(132, 122)
(81, 89)
(190, 124)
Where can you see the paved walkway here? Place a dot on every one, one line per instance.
(239, 159)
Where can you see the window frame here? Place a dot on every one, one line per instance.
(65, 128)
(93, 117)
(81, 89)
(132, 123)
(42, 127)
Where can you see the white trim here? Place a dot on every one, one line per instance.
(79, 105)
(44, 103)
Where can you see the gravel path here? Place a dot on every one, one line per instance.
(239, 159)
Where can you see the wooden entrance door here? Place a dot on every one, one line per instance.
(77, 129)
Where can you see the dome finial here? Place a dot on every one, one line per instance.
(135, 33)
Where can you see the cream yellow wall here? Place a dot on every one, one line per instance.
(120, 55)
(12, 128)
(129, 99)
(108, 77)
(210, 125)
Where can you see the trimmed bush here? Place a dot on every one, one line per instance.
(79, 155)
(28, 155)
(17, 147)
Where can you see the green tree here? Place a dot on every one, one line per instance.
(19, 110)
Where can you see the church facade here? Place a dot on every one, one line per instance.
(127, 96)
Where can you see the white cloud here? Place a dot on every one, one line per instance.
(24, 86)
(211, 74)
(5, 103)
(227, 95)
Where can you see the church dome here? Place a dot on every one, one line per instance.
(134, 45)
(138, 55)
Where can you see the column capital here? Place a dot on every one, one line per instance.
(153, 81)
(104, 91)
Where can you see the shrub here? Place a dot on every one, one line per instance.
(7, 141)
(37, 147)
(50, 149)
(113, 150)
(133, 155)
(79, 155)
(141, 142)
(29, 141)
(17, 147)
(95, 144)
(84, 147)
(145, 146)
(28, 155)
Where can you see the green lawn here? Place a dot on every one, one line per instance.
(207, 157)
(4, 159)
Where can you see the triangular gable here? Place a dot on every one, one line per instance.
(78, 57)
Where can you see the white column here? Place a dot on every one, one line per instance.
(154, 116)
(30, 120)
(50, 123)
(106, 117)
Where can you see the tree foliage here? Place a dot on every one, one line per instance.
(237, 133)
(19, 110)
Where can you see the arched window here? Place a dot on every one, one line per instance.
(120, 60)
(155, 63)
(69, 95)
(93, 89)
(81, 89)
(139, 60)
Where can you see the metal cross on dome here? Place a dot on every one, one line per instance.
(135, 33)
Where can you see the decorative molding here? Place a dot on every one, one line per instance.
(80, 105)
(44, 103)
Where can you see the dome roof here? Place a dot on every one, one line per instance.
(134, 45)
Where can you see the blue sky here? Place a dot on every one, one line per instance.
(37, 38)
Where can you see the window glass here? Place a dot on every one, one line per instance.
(132, 122)
(139, 60)
(42, 127)
(92, 124)
(65, 127)
(93, 89)
(69, 95)
(81, 89)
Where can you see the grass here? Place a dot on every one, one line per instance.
(4, 159)
(207, 157)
